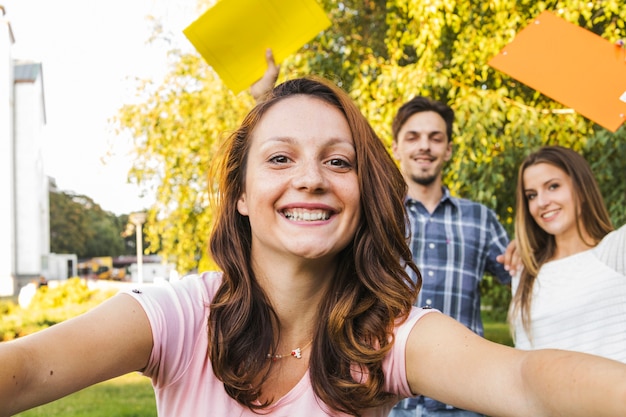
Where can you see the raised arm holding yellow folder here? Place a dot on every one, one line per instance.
(233, 35)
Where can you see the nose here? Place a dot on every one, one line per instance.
(422, 142)
(542, 199)
(310, 177)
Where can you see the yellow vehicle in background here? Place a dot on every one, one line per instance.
(100, 267)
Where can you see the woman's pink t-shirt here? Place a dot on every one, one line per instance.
(181, 372)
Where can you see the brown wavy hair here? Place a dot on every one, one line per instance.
(535, 245)
(370, 292)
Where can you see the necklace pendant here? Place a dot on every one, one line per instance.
(297, 353)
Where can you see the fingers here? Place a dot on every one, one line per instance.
(271, 64)
(265, 84)
(511, 258)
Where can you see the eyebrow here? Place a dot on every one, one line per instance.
(331, 141)
(429, 132)
(285, 139)
(543, 183)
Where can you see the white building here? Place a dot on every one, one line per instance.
(152, 272)
(24, 205)
(59, 266)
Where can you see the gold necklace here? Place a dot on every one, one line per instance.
(296, 353)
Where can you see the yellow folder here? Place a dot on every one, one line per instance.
(232, 36)
(571, 65)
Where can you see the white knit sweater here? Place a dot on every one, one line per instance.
(579, 302)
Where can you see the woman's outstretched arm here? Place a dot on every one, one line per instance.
(448, 362)
(111, 340)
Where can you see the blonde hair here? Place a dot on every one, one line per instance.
(535, 245)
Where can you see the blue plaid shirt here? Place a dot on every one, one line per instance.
(453, 247)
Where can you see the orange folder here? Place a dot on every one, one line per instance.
(232, 36)
(571, 65)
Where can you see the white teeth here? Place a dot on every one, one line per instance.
(548, 214)
(306, 215)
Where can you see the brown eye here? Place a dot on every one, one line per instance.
(337, 162)
(279, 159)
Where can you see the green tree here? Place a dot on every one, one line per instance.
(68, 222)
(177, 131)
(440, 49)
(79, 225)
(106, 238)
(383, 52)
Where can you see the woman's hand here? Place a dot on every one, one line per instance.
(265, 84)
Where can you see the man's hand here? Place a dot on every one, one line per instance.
(511, 258)
(265, 84)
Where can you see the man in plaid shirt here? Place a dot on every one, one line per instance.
(454, 241)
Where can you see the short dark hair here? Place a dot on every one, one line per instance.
(419, 104)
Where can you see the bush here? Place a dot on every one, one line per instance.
(6, 307)
(73, 291)
(49, 306)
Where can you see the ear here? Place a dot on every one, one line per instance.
(394, 149)
(242, 205)
(448, 151)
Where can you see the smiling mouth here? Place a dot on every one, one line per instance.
(306, 215)
(549, 214)
(424, 157)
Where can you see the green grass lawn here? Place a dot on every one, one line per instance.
(127, 396)
(497, 332)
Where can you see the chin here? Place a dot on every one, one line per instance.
(315, 253)
(425, 180)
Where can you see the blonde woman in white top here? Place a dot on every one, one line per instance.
(571, 293)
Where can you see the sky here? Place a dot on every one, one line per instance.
(91, 52)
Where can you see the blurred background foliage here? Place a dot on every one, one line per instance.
(383, 52)
(79, 225)
(49, 306)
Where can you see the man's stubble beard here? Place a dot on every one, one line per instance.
(425, 181)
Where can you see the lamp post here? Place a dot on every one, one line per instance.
(138, 219)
